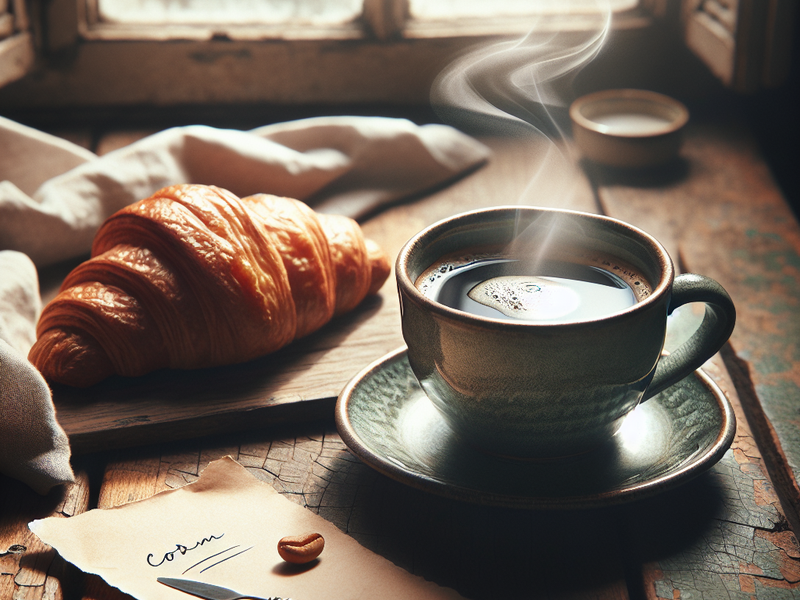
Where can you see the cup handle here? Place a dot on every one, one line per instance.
(711, 335)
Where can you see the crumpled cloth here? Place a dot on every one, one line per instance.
(351, 163)
(33, 447)
(54, 195)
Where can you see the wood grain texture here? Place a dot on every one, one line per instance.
(719, 213)
(724, 535)
(727, 519)
(500, 553)
(29, 568)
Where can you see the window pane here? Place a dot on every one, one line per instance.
(232, 12)
(454, 9)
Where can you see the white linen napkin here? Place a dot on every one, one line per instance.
(325, 161)
(54, 195)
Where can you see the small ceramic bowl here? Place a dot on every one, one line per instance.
(628, 128)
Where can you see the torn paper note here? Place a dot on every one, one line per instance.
(224, 529)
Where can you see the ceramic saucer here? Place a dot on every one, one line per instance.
(385, 419)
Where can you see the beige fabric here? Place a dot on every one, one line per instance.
(33, 447)
(54, 195)
(328, 162)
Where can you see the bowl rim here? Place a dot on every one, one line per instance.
(578, 118)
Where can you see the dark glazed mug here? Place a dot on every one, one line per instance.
(541, 389)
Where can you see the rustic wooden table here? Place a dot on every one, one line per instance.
(729, 533)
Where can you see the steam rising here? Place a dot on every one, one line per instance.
(520, 83)
(523, 87)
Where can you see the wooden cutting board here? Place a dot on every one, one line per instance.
(301, 381)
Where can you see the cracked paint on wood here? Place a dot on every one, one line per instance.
(743, 548)
(720, 214)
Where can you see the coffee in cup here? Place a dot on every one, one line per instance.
(535, 331)
(494, 283)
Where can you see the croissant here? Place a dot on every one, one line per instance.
(195, 277)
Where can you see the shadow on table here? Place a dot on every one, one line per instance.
(27, 563)
(658, 176)
(488, 552)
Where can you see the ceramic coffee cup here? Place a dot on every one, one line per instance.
(536, 331)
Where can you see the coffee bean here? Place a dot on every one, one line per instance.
(299, 549)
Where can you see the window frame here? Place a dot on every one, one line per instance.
(74, 59)
(379, 20)
(371, 60)
(16, 43)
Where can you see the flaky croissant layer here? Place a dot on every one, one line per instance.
(195, 277)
